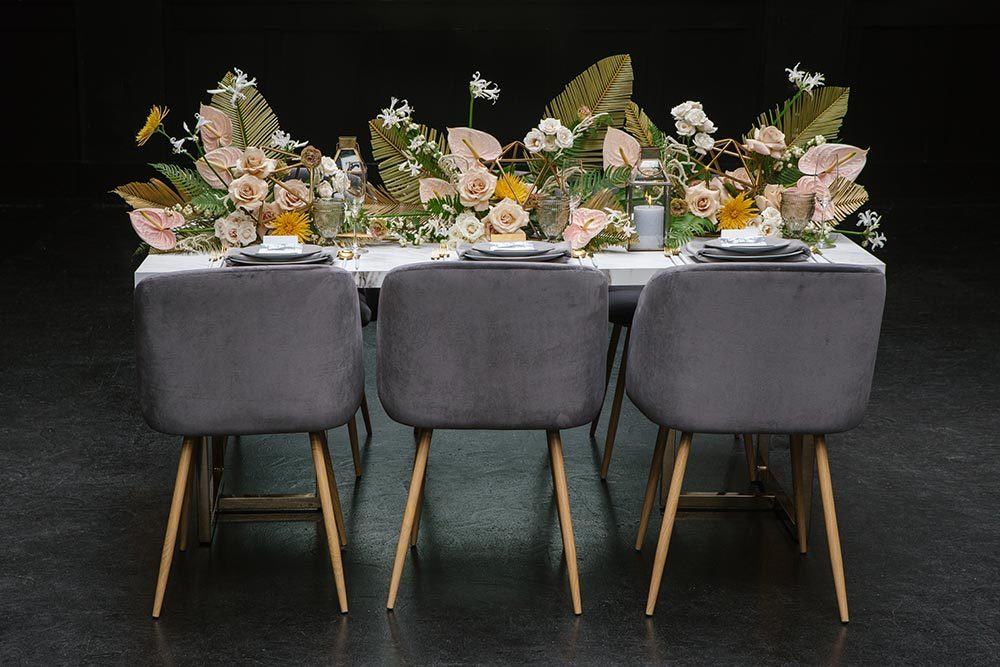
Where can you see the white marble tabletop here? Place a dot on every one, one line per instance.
(621, 267)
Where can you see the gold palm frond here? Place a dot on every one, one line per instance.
(153, 194)
(602, 199)
(388, 144)
(846, 197)
(253, 119)
(638, 124)
(379, 202)
(604, 87)
(819, 113)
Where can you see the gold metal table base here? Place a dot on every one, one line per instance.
(766, 494)
(216, 507)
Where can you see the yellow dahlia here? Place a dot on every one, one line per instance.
(736, 213)
(510, 186)
(153, 120)
(291, 223)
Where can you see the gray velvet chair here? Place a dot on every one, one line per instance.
(758, 348)
(491, 346)
(250, 350)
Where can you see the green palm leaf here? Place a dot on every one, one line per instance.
(604, 87)
(253, 120)
(153, 194)
(187, 181)
(388, 144)
(810, 115)
(846, 197)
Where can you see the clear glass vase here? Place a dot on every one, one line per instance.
(552, 213)
(796, 213)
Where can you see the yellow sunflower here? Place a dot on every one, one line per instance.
(737, 213)
(510, 186)
(291, 223)
(153, 120)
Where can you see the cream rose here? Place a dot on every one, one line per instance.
(291, 195)
(564, 137)
(703, 143)
(475, 187)
(769, 221)
(549, 125)
(507, 217)
(325, 190)
(770, 198)
(696, 117)
(255, 162)
(469, 227)
(248, 192)
(702, 201)
(236, 229)
(684, 128)
(534, 141)
(767, 140)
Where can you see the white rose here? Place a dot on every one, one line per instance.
(708, 127)
(550, 142)
(564, 137)
(549, 125)
(534, 141)
(684, 128)
(236, 229)
(507, 217)
(325, 190)
(328, 165)
(469, 226)
(475, 187)
(703, 142)
(246, 231)
(695, 117)
(770, 221)
(681, 109)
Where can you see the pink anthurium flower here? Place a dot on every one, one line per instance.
(620, 149)
(155, 226)
(469, 143)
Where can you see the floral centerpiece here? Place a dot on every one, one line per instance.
(244, 178)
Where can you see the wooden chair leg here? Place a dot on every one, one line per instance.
(352, 432)
(566, 520)
(669, 454)
(182, 538)
(830, 519)
(751, 456)
(420, 503)
(798, 479)
(173, 521)
(667, 527)
(338, 511)
(320, 456)
(616, 408)
(655, 473)
(612, 348)
(365, 416)
(412, 498)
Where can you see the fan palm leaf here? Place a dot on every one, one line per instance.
(152, 194)
(604, 87)
(810, 115)
(388, 145)
(846, 197)
(253, 119)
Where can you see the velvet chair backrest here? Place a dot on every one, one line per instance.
(248, 350)
(756, 348)
(492, 345)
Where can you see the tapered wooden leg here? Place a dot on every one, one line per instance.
(338, 511)
(352, 432)
(612, 348)
(320, 457)
(655, 473)
(751, 456)
(204, 488)
(667, 527)
(798, 479)
(365, 416)
(182, 538)
(565, 520)
(616, 408)
(173, 521)
(416, 487)
(830, 519)
(420, 504)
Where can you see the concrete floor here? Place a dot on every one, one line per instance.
(86, 489)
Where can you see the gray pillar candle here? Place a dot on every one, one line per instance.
(649, 226)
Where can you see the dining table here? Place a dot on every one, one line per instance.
(622, 267)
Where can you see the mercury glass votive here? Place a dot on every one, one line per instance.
(796, 213)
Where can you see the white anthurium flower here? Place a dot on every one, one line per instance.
(549, 125)
(483, 89)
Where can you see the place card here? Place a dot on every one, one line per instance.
(512, 245)
(743, 242)
(278, 245)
